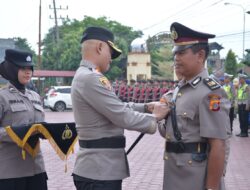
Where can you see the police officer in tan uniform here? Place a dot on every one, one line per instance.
(101, 116)
(196, 128)
(19, 106)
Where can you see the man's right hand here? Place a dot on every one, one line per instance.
(160, 110)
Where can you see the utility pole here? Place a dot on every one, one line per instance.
(56, 24)
(56, 29)
(57, 38)
(39, 47)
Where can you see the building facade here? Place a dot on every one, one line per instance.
(139, 61)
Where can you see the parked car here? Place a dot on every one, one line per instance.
(58, 98)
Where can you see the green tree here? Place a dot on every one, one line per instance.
(231, 63)
(65, 54)
(161, 56)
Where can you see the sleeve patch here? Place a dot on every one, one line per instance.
(105, 82)
(214, 102)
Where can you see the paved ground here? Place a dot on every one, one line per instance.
(146, 161)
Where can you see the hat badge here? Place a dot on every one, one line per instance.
(28, 58)
(174, 34)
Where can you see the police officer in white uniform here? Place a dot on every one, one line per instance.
(101, 116)
(196, 128)
(19, 106)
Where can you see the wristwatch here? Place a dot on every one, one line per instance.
(146, 108)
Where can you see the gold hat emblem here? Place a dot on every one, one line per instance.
(174, 34)
(67, 133)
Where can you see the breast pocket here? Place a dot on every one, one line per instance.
(18, 107)
(19, 113)
(184, 117)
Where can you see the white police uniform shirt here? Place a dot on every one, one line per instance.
(100, 113)
(18, 109)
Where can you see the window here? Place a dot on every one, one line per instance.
(134, 63)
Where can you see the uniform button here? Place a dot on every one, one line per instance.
(190, 162)
(185, 113)
(168, 137)
(166, 157)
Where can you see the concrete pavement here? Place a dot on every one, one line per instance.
(146, 161)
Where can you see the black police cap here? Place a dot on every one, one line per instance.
(185, 37)
(19, 58)
(102, 34)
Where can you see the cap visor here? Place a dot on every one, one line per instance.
(177, 49)
(116, 51)
(24, 64)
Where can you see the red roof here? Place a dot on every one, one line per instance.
(50, 73)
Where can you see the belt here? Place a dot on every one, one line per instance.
(180, 147)
(107, 142)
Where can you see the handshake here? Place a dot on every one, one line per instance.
(159, 109)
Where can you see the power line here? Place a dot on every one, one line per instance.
(233, 34)
(202, 10)
(186, 8)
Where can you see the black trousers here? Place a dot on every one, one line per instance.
(82, 183)
(36, 182)
(231, 116)
(243, 118)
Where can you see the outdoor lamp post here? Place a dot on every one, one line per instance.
(244, 23)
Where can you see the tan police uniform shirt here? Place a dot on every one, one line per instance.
(198, 119)
(100, 113)
(18, 109)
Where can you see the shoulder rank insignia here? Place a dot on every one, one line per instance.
(105, 82)
(211, 83)
(214, 102)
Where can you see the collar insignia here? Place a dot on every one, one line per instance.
(196, 81)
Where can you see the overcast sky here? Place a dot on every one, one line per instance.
(19, 18)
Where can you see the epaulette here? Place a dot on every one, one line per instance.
(3, 87)
(211, 83)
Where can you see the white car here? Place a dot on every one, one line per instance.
(58, 98)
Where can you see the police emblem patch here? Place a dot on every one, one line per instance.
(28, 59)
(105, 82)
(214, 102)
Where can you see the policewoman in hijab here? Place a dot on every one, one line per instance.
(19, 106)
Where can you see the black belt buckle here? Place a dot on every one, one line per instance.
(180, 147)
